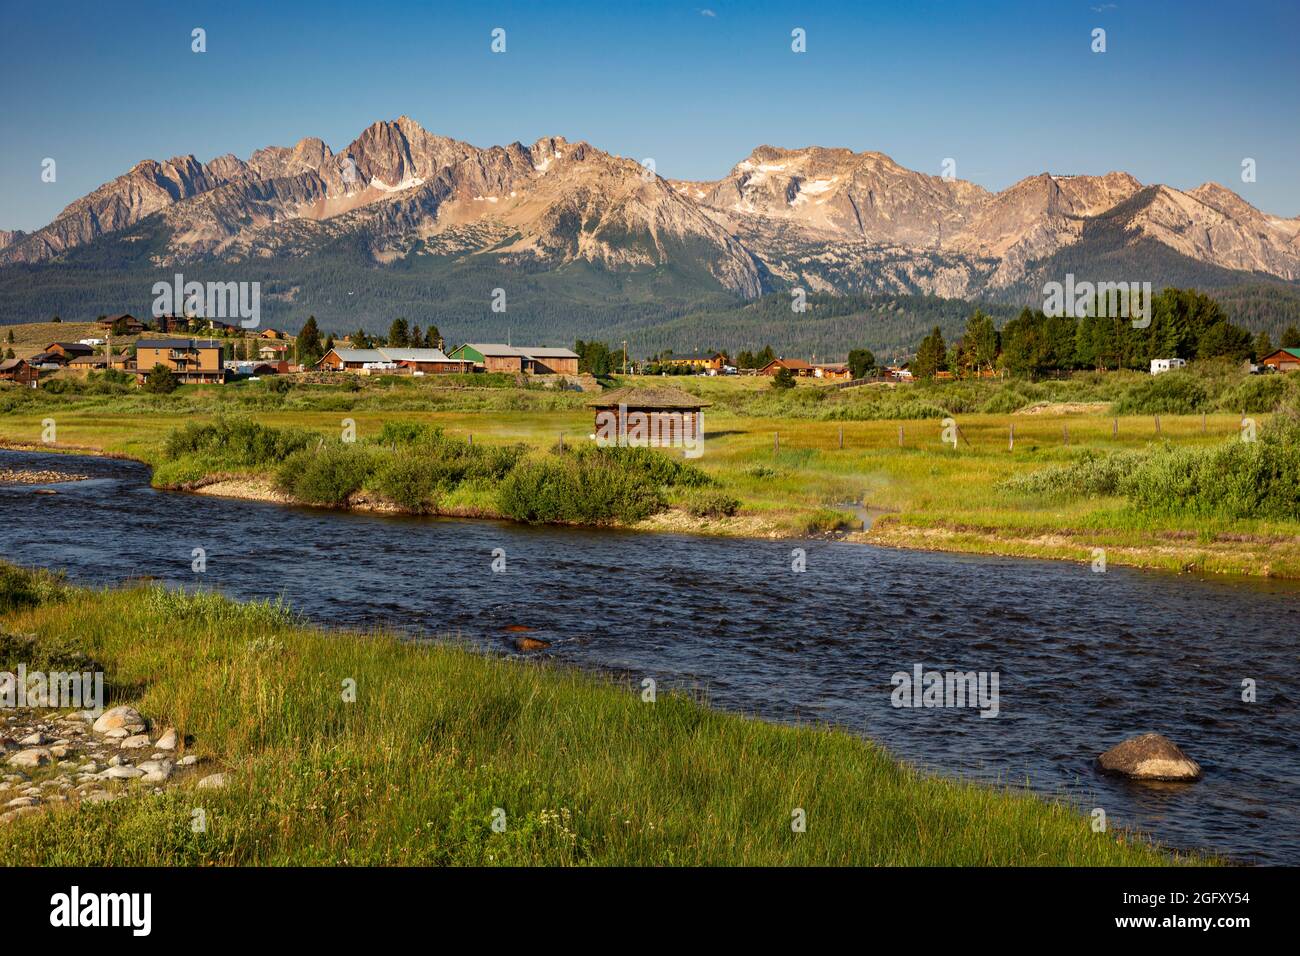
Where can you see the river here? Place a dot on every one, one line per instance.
(1083, 659)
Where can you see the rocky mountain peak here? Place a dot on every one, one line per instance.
(830, 218)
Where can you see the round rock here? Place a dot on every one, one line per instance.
(1150, 757)
(32, 758)
(120, 718)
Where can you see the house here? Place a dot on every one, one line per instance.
(1166, 365)
(172, 323)
(132, 325)
(798, 366)
(194, 361)
(45, 361)
(898, 373)
(68, 350)
(518, 360)
(649, 417)
(832, 372)
(699, 361)
(269, 333)
(415, 360)
(95, 363)
(340, 359)
(1283, 360)
(434, 361)
(272, 350)
(549, 361)
(19, 370)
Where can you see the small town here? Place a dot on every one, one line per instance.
(214, 352)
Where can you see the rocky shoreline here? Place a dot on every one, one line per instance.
(46, 476)
(54, 759)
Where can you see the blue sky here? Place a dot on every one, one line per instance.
(1184, 91)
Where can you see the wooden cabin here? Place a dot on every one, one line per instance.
(648, 417)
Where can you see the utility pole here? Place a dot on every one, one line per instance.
(625, 356)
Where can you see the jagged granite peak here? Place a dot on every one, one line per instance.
(830, 219)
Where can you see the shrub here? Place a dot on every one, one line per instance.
(161, 381)
(1258, 393)
(327, 475)
(237, 442)
(21, 588)
(580, 488)
(1005, 401)
(410, 481)
(1092, 473)
(1171, 393)
(660, 467)
(711, 503)
(1237, 479)
(407, 433)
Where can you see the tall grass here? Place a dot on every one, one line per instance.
(1258, 479)
(1237, 479)
(439, 741)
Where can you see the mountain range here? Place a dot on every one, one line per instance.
(403, 219)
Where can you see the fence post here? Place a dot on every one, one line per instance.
(1157, 424)
(776, 443)
(841, 436)
(1011, 439)
(471, 438)
(561, 441)
(1202, 423)
(900, 436)
(1114, 428)
(1065, 434)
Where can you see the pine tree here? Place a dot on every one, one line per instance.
(1263, 346)
(399, 336)
(308, 344)
(930, 355)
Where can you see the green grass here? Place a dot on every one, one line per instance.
(439, 738)
(980, 497)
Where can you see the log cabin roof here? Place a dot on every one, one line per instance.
(660, 397)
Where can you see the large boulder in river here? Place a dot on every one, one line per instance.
(1150, 757)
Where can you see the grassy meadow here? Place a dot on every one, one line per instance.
(805, 461)
(440, 740)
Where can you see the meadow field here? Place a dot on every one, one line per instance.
(1120, 464)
